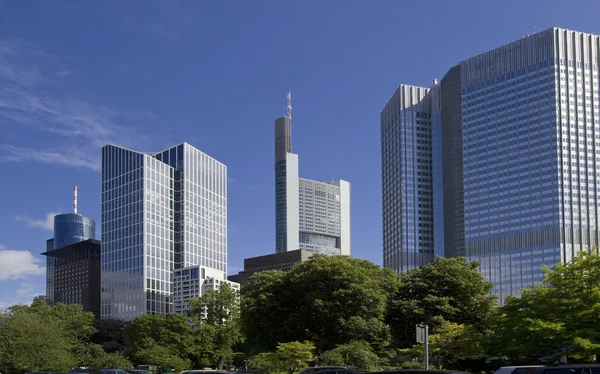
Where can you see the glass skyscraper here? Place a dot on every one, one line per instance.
(309, 215)
(160, 212)
(72, 228)
(407, 189)
(520, 157)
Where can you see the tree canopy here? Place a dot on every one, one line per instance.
(446, 290)
(559, 317)
(327, 300)
(218, 312)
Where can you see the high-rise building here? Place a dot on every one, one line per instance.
(406, 165)
(309, 215)
(520, 130)
(160, 212)
(76, 274)
(69, 228)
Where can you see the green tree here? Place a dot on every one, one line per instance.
(450, 345)
(557, 318)
(98, 358)
(109, 334)
(29, 342)
(294, 356)
(263, 363)
(446, 290)
(163, 357)
(219, 312)
(328, 299)
(357, 354)
(157, 340)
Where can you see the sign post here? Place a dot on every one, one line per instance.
(423, 338)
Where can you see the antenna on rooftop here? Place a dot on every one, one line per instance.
(75, 199)
(289, 105)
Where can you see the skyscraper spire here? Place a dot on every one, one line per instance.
(289, 105)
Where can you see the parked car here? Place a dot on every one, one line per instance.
(138, 371)
(332, 370)
(569, 369)
(204, 372)
(517, 369)
(419, 371)
(105, 371)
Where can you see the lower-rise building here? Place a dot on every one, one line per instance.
(194, 281)
(76, 275)
(283, 261)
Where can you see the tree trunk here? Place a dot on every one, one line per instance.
(220, 363)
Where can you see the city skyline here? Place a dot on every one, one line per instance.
(148, 79)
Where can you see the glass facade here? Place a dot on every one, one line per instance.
(515, 154)
(309, 215)
(407, 180)
(530, 160)
(72, 228)
(49, 273)
(160, 212)
(319, 211)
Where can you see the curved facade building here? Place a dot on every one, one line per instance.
(72, 228)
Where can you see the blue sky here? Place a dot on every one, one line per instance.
(147, 75)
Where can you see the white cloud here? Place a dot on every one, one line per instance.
(18, 264)
(46, 224)
(25, 289)
(66, 157)
(28, 98)
(23, 293)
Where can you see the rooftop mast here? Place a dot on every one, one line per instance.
(75, 199)
(289, 105)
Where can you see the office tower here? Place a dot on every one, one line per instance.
(521, 154)
(406, 165)
(192, 282)
(283, 261)
(76, 274)
(69, 228)
(309, 215)
(49, 273)
(160, 212)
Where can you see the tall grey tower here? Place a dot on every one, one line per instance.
(516, 184)
(407, 188)
(309, 215)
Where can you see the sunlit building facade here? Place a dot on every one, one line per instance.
(407, 188)
(520, 158)
(309, 215)
(160, 212)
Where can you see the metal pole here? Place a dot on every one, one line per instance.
(426, 347)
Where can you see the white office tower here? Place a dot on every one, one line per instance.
(310, 215)
(160, 212)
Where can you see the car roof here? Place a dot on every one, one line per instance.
(522, 366)
(419, 371)
(572, 366)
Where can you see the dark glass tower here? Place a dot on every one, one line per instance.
(72, 228)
